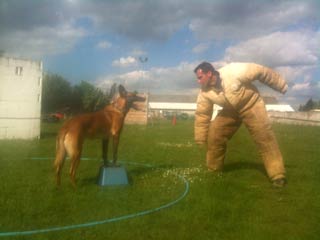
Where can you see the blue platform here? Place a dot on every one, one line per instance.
(109, 176)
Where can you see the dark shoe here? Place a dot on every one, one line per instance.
(279, 183)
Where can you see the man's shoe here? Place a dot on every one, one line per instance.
(279, 183)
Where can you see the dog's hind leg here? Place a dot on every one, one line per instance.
(74, 148)
(60, 158)
(75, 160)
(105, 143)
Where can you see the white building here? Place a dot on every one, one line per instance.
(160, 104)
(279, 108)
(20, 98)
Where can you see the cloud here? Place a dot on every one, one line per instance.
(301, 86)
(293, 54)
(220, 20)
(137, 20)
(125, 62)
(38, 28)
(41, 41)
(200, 48)
(278, 49)
(259, 31)
(179, 79)
(143, 20)
(104, 45)
(138, 52)
(208, 20)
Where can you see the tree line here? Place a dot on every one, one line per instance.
(59, 95)
(310, 105)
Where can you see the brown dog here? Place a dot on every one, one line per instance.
(106, 122)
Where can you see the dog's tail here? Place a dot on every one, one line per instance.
(60, 154)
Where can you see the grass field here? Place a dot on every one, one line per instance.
(238, 204)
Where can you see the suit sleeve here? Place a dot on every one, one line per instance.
(203, 116)
(265, 75)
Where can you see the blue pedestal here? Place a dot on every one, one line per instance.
(109, 176)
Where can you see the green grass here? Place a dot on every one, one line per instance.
(238, 204)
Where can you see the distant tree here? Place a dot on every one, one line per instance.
(59, 95)
(56, 93)
(88, 98)
(310, 104)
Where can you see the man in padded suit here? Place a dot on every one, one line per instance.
(231, 87)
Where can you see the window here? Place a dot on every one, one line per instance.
(19, 71)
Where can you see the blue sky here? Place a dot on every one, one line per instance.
(102, 41)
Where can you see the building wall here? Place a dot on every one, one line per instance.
(20, 98)
(300, 118)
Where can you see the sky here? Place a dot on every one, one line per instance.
(154, 45)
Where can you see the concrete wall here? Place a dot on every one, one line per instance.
(20, 98)
(300, 118)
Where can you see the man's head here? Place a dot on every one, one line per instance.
(206, 75)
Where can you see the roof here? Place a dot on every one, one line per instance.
(193, 106)
(188, 102)
(172, 106)
(193, 99)
(279, 107)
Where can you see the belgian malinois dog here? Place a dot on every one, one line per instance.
(107, 123)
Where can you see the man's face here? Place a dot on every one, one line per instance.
(204, 79)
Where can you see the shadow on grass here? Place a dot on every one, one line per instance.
(244, 165)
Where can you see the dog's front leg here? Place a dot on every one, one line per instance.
(105, 143)
(115, 142)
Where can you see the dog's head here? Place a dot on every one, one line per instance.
(126, 100)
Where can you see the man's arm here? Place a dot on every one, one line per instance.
(264, 75)
(203, 116)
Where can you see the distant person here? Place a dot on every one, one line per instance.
(231, 87)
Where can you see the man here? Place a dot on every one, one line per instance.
(231, 87)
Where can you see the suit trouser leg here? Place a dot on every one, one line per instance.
(221, 130)
(257, 121)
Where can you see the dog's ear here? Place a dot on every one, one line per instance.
(122, 91)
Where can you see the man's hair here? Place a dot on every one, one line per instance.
(205, 67)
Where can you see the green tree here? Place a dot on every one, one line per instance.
(88, 98)
(56, 93)
(308, 106)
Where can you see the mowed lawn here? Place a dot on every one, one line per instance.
(163, 163)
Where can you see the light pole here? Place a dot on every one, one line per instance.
(143, 60)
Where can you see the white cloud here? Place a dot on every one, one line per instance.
(138, 52)
(219, 20)
(301, 86)
(156, 80)
(155, 20)
(41, 41)
(125, 62)
(200, 48)
(104, 45)
(278, 49)
(294, 55)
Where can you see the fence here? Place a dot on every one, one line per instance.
(299, 118)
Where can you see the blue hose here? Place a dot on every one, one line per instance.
(109, 220)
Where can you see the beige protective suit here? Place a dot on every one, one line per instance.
(241, 102)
